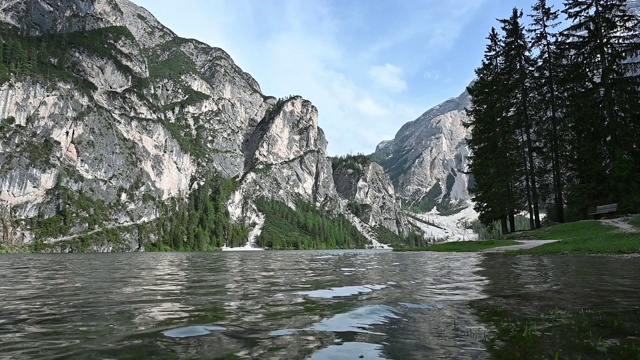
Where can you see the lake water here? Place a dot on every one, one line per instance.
(285, 305)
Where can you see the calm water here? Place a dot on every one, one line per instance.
(284, 305)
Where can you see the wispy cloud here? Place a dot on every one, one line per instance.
(363, 64)
(388, 76)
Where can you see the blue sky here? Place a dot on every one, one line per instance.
(368, 65)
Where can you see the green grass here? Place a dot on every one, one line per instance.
(574, 230)
(11, 249)
(581, 238)
(464, 246)
(558, 334)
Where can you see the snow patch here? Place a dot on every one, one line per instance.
(447, 228)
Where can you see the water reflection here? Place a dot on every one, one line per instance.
(531, 284)
(192, 331)
(349, 351)
(341, 291)
(267, 305)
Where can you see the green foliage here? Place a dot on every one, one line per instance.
(492, 231)
(192, 97)
(274, 110)
(361, 211)
(52, 227)
(168, 61)
(37, 149)
(11, 249)
(555, 114)
(581, 238)
(39, 152)
(357, 162)
(558, 334)
(74, 208)
(199, 223)
(305, 228)
(574, 230)
(48, 57)
(181, 131)
(485, 232)
(6, 126)
(387, 237)
(464, 246)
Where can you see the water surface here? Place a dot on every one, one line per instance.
(283, 305)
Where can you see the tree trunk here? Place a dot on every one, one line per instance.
(512, 220)
(534, 188)
(503, 224)
(527, 187)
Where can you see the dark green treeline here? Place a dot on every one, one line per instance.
(306, 227)
(556, 114)
(197, 222)
(49, 57)
(201, 222)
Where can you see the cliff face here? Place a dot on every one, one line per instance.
(120, 116)
(427, 158)
(370, 195)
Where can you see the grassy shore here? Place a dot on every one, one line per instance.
(582, 238)
(557, 334)
(7, 249)
(463, 246)
(577, 238)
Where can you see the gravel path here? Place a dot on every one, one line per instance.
(621, 223)
(524, 244)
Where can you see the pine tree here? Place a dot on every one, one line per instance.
(601, 50)
(518, 63)
(492, 195)
(545, 91)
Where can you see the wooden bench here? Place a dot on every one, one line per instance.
(608, 210)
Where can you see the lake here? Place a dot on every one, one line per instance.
(293, 304)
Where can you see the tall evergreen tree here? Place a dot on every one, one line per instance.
(545, 92)
(602, 47)
(518, 63)
(489, 140)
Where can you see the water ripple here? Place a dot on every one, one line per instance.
(341, 291)
(192, 331)
(281, 305)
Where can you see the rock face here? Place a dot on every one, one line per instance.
(427, 157)
(370, 195)
(285, 157)
(145, 118)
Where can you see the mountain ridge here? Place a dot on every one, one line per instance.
(135, 119)
(427, 158)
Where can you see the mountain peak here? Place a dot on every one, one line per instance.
(427, 158)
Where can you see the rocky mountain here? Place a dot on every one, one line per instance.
(110, 123)
(427, 158)
(370, 193)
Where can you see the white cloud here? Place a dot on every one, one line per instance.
(328, 52)
(389, 77)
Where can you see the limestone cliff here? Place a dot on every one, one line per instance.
(370, 193)
(427, 158)
(116, 116)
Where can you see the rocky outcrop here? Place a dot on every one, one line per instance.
(286, 157)
(285, 160)
(370, 194)
(427, 158)
(140, 118)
